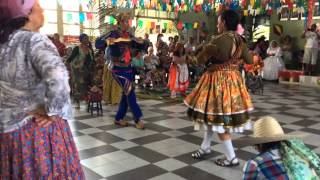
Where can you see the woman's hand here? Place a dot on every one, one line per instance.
(41, 118)
(44, 120)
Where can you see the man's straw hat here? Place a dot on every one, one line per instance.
(265, 130)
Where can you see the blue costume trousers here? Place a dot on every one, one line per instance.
(125, 76)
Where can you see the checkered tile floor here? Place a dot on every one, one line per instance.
(162, 151)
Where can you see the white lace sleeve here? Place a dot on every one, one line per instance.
(53, 73)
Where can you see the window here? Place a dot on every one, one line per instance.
(50, 16)
(93, 22)
(92, 32)
(49, 28)
(70, 5)
(86, 7)
(71, 18)
(51, 4)
(73, 30)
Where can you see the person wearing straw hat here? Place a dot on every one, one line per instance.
(281, 156)
(120, 44)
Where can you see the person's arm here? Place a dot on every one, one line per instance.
(304, 34)
(47, 62)
(250, 171)
(64, 50)
(246, 55)
(270, 52)
(318, 35)
(157, 60)
(142, 63)
(207, 51)
(74, 54)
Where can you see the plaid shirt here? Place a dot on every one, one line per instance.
(267, 165)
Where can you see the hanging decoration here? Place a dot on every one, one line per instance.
(203, 24)
(153, 25)
(89, 16)
(188, 26)
(114, 3)
(111, 20)
(140, 23)
(81, 17)
(196, 25)
(165, 25)
(170, 25)
(247, 7)
(148, 24)
(180, 25)
(134, 24)
(69, 18)
(134, 2)
(130, 22)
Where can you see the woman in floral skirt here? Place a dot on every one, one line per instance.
(220, 102)
(35, 138)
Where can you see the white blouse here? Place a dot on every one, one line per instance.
(276, 51)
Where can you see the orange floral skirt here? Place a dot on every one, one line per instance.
(220, 100)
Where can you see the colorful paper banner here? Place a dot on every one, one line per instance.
(165, 25)
(69, 17)
(81, 17)
(89, 16)
(140, 23)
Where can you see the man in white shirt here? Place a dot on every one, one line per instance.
(311, 49)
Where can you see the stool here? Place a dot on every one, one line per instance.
(94, 103)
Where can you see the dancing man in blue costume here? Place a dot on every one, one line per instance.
(120, 44)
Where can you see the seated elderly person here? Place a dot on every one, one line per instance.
(151, 63)
(281, 156)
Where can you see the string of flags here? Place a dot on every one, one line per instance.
(152, 24)
(248, 7)
(82, 17)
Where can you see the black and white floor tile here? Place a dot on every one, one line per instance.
(162, 151)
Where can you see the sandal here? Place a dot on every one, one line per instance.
(200, 154)
(140, 125)
(224, 162)
(122, 123)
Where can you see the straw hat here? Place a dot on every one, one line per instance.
(265, 130)
(122, 16)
